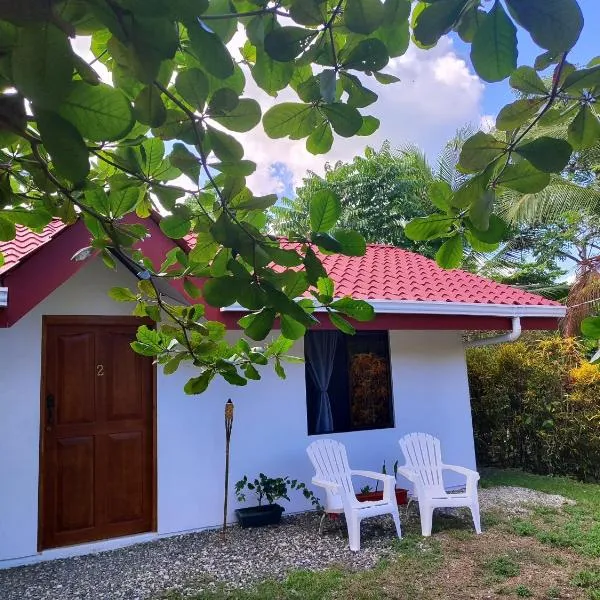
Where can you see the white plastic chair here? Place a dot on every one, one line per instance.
(333, 473)
(424, 468)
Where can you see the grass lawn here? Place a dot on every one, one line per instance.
(549, 554)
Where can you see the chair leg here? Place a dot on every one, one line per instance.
(396, 518)
(354, 532)
(426, 512)
(476, 517)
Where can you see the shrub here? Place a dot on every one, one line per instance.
(536, 406)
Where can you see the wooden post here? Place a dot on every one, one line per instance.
(228, 426)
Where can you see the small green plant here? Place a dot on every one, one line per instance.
(523, 591)
(523, 528)
(587, 580)
(502, 567)
(553, 593)
(366, 489)
(272, 489)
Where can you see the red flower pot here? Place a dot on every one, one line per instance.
(401, 496)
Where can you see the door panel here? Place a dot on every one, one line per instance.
(97, 464)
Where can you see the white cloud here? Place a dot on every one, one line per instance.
(437, 95)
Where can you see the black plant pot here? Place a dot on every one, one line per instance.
(257, 516)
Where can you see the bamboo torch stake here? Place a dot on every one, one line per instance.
(228, 426)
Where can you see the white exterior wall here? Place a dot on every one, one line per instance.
(269, 432)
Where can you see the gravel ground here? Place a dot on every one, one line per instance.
(193, 562)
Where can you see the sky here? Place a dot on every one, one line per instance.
(438, 94)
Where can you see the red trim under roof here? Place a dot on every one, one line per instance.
(38, 263)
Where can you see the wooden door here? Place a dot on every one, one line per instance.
(97, 451)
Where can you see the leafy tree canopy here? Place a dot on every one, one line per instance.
(72, 145)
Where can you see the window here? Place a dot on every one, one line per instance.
(348, 381)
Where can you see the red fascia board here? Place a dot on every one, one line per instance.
(42, 272)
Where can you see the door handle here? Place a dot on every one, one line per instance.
(50, 405)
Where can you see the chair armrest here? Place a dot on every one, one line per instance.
(406, 472)
(328, 485)
(389, 482)
(472, 476)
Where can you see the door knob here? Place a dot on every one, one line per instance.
(50, 405)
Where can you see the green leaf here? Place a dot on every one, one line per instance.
(355, 309)
(470, 191)
(526, 79)
(320, 140)
(368, 55)
(523, 177)
(327, 83)
(223, 101)
(100, 112)
(122, 200)
(65, 145)
(314, 267)
(290, 328)
(210, 51)
(289, 119)
(257, 202)
(244, 117)
(258, 325)
(286, 43)
(185, 161)
(34, 219)
(8, 230)
(341, 323)
(547, 154)
(358, 95)
(436, 19)
(363, 16)
(197, 385)
(584, 131)
(308, 12)
(386, 78)
(440, 195)
(122, 294)
(271, 75)
(221, 291)
(582, 79)
(149, 108)
(450, 254)
(369, 126)
(325, 210)
(176, 226)
(42, 64)
(352, 243)
(326, 289)
(481, 210)
(192, 86)
(345, 120)
(493, 234)
(326, 242)
(513, 115)
(494, 48)
(553, 24)
(427, 228)
(479, 151)
(590, 327)
(225, 147)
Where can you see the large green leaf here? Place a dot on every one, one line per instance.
(221, 291)
(258, 325)
(325, 209)
(244, 117)
(176, 226)
(149, 108)
(427, 228)
(65, 145)
(290, 119)
(192, 86)
(341, 323)
(481, 210)
(100, 112)
(527, 80)
(290, 328)
(479, 151)
(355, 309)
(582, 79)
(590, 327)
(286, 43)
(450, 253)
(225, 147)
(271, 75)
(547, 154)
(494, 48)
(523, 177)
(42, 64)
(584, 131)
(210, 51)
(308, 12)
(368, 55)
(345, 120)
(320, 140)
(369, 125)
(494, 233)
(185, 161)
(553, 24)
(363, 16)
(352, 243)
(437, 19)
(517, 113)
(440, 195)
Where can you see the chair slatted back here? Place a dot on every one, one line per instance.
(423, 455)
(330, 461)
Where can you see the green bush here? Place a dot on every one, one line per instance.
(536, 406)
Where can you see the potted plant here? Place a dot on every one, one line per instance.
(269, 489)
(368, 494)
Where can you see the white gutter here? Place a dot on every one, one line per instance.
(411, 307)
(3, 297)
(499, 339)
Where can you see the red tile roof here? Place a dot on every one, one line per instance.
(383, 273)
(27, 242)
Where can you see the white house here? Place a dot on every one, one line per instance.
(100, 449)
